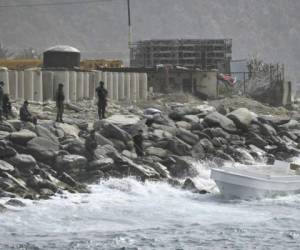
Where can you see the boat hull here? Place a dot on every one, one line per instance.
(235, 184)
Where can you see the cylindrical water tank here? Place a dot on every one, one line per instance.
(61, 56)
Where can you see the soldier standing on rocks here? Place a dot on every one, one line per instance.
(1, 99)
(60, 98)
(102, 100)
(91, 145)
(138, 143)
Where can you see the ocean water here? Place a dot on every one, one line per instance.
(127, 214)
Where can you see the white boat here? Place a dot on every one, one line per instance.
(255, 182)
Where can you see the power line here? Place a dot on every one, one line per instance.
(52, 4)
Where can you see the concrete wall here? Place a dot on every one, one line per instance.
(41, 85)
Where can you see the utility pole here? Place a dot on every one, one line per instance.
(129, 25)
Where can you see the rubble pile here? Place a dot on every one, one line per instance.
(38, 161)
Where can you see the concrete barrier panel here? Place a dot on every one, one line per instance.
(20, 85)
(127, 86)
(133, 86)
(13, 84)
(73, 86)
(115, 85)
(28, 85)
(92, 85)
(86, 85)
(37, 86)
(48, 90)
(104, 78)
(61, 77)
(121, 86)
(143, 86)
(5, 78)
(79, 86)
(110, 85)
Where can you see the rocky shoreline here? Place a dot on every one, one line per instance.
(37, 162)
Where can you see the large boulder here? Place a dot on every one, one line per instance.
(216, 119)
(101, 140)
(22, 136)
(6, 150)
(46, 133)
(17, 124)
(73, 146)
(242, 117)
(268, 130)
(6, 167)
(5, 126)
(23, 162)
(42, 149)
(100, 164)
(71, 164)
(198, 151)
(153, 151)
(113, 131)
(178, 147)
(187, 136)
(68, 129)
(191, 118)
(181, 166)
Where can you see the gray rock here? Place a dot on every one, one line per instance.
(6, 167)
(191, 186)
(23, 162)
(119, 145)
(219, 132)
(17, 124)
(184, 125)
(178, 147)
(5, 126)
(187, 136)
(100, 164)
(4, 135)
(42, 149)
(101, 140)
(198, 151)
(45, 193)
(74, 146)
(22, 136)
(268, 130)
(207, 145)
(159, 134)
(15, 203)
(292, 124)
(242, 117)
(71, 164)
(216, 119)
(191, 118)
(6, 151)
(159, 152)
(46, 133)
(181, 166)
(2, 208)
(113, 131)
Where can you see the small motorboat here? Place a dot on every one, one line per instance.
(256, 182)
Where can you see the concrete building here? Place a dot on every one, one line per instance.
(205, 54)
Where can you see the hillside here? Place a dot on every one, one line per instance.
(270, 29)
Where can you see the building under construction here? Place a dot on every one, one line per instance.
(205, 54)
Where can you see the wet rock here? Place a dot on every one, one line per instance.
(4, 135)
(224, 156)
(257, 153)
(68, 179)
(197, 126)
(46, 193)
(181, 166)
(289, 134)
(218, 141)
(15, 203)
(68, 129)
(292, 124)
(119, 145)
(73, 146)
(242, 117)
(19, 184)
(159, 152)
(161, 169)
(5, 194)
(207, 145)
(23, 162)
(2, 208)
(169, 129)
(274, 120)
(198, 151)
(101, 140)
(201, 135)
(129, 154)
(216, 119)
(159, 134)
(191, 186)
(22, 136)
(42, 149)
(6, 167)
